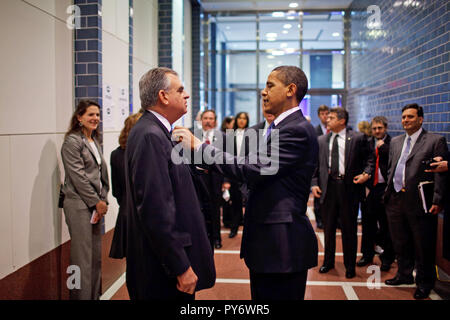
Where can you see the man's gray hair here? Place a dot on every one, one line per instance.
(154, 80)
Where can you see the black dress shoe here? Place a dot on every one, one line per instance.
(421, 293)
(364, 261)
(396, 281)
(325, 268)
(350, 274)
(385, 266)
(217, 244)
(232, 234)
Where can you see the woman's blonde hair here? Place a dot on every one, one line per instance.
(365, 128)
(128, 124)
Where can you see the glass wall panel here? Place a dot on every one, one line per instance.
(312, 103)
(323, 31)
(234, 32)
(327, 69)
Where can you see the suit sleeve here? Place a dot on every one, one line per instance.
(291, 148)
(368, 156)
(74, 168)
(155, 203)
(440, 150)
(116, 171)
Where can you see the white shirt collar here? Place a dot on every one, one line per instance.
(163, 120)
(415, 135)
(340, 133)
(284, 115)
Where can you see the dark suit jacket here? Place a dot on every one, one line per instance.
(277, 236)
(319, 131)
(383, 153)
(358, 159)
(427, 146)
(118, 245)
(166, 229)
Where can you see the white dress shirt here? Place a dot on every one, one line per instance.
(380, 176)
(284, 115)
(414, 138)
(239, 139)
(324, 128)
(341, 144)
(163, 120)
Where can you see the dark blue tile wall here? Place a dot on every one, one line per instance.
(197, 66)
(165, 33)
(405, 61)
(88, 52)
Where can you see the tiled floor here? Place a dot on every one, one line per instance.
(233, 278)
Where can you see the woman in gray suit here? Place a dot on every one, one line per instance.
(85, 203)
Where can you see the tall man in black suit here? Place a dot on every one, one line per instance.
(345, 164)
(413, 230)
(278, 244)
(376, 214)
(212, 180)
(321, 129)
(168, 252)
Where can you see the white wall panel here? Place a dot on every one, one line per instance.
(115, 70)
(5, 213)
(35, 189)
(145, 31)
(31, 91)
(115, 15)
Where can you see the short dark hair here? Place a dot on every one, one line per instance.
(295, 75)
(414, 106)
(380, 119)
(322, 108)
(341, 113)
(209, 110)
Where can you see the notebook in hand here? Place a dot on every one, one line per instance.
(426, 191)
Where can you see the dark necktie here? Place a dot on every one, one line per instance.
(335, 157)
(269, 129)
(377, 166)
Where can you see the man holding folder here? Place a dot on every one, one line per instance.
(413, 230)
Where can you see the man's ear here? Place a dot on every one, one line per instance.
(164, 97)
(292, 89)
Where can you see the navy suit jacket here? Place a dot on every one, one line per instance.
(166, 229)
(278, 236)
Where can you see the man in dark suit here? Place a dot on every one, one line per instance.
(413, 230)
(345, 164)
(321, 129)
(278, 244)
(376, 214)
(168, 252)
(211, 180)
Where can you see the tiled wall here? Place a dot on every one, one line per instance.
(405, 61)
(88, 52)
(165, 33)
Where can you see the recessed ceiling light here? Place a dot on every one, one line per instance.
(287, 26)
(278, 53)
(271, 35)
(277, 14)
(290, 18)
(335, 34)
(285, 31)
(271, 39)
(270, 57)
(293, 5)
